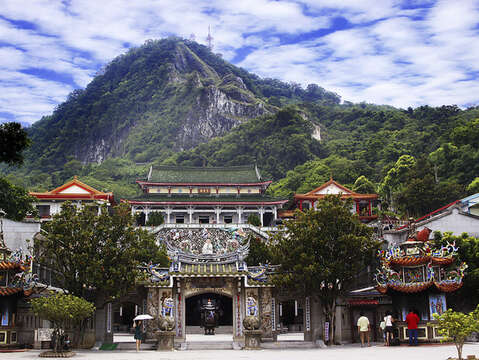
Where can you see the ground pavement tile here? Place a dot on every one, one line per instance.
(344, 352)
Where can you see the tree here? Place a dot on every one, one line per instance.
(15, 201)
(473, 187)
(13, 140)
(467, 297)
(254, 219)
(421, 194)
(363, 186)
(457, 326)
(396, 176)
(96, 256)
(155, 219)
(259, 251)
(321, 252)
(62, 309)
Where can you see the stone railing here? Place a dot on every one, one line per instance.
(262, 231)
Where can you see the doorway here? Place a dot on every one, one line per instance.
(224, 307)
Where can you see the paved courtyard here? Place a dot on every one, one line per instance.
(346, 352)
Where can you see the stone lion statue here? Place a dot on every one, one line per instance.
(166, 323)
(251, 322)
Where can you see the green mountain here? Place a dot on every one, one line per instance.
(173, 101)
(166, 96)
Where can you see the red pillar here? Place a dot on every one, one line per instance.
(357, 206)
(301, 205)
(369, 208)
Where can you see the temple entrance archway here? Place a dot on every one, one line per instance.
(224, 305)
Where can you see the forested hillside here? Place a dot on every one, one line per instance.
(418, 159)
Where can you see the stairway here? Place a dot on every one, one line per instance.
(207, 345)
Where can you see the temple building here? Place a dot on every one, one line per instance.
(202, 195)
(50, 202)
(363, 204)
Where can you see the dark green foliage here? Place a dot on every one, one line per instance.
(15, 201)
(155, 219)
(254, 219)
(13, 140)
(259, 252)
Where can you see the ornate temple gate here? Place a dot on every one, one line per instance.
(197, 269)
(233, 287)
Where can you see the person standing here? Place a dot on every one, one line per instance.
(388, 319)
(363, 327)
(138, 334)
(412, 320)
(382, 326)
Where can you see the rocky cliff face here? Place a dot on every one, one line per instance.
(156, 99)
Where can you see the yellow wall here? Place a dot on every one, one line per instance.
(253, 190)
(184, 190)
(228, 190)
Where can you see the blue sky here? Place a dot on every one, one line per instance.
(400, 53)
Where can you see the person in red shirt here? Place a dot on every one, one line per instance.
(412, 320)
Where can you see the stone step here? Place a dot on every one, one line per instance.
(224, 329)
(207, 345)
(132, 346)
(288, 345)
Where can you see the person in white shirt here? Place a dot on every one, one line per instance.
(388, 319)
(363, 327)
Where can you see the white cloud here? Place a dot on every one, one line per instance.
(387, 55)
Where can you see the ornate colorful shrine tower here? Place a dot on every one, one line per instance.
(417, 274)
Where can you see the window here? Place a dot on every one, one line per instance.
(43, 210)
(204, 219)
(180, 219)
(228, 219)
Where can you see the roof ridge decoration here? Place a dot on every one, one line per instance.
(219, 246)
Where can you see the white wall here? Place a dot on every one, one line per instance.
(17, 233)
(454, 222)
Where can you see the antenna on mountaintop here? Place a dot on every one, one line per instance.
(210, 39)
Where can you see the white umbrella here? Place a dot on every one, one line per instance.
(143, 317)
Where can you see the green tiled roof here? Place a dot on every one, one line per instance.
(217, 175)
(186, 198)
(209, 269)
